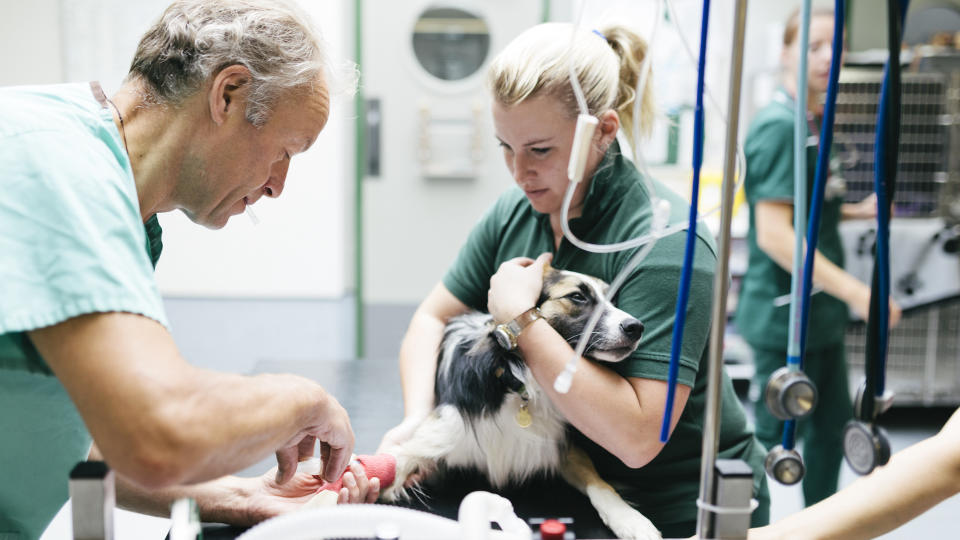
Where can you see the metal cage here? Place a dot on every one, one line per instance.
(924, 349)
(924, 137)
(923, 355)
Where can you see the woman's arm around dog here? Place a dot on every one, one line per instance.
(623, 415)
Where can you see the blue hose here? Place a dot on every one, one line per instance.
(820, 176)
(683, 294)
(884, 183)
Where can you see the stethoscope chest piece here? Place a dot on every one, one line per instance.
(865, 446)
(790, 394)
(784, 466)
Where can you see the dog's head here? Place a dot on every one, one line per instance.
(567, 301)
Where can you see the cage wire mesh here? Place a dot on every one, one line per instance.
(924, 127)
(924, 348)
(922, 355)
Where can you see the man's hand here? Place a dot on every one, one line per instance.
(516, 286)
(336, 439)
(263, 498)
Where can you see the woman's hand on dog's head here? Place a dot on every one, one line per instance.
(515, 287)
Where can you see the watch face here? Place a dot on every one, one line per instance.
(503, 338)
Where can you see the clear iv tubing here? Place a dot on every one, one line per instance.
(661, 208)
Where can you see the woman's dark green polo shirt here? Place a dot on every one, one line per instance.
(617, 208)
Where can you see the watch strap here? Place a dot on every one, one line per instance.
(523, 320)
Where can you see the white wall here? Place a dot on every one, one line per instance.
(299, 249)
(415, 222)
(30, 42)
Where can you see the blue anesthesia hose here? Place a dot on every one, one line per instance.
(884, 183)
(819, 183)
(686, 274)
(794, 360)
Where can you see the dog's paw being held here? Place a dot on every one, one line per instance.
(408, 477)
(632, 525)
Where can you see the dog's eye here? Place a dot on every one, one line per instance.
(577, 298)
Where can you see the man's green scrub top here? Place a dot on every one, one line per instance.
(72, 242)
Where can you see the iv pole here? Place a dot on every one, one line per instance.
(711, 432)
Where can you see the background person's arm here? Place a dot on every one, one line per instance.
(418, 360)
(915, 480)
(865, 209)
(160, 421)
(775, 236)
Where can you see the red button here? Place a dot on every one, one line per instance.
(552, 529)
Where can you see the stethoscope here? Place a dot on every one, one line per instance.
(866, 444)
(790, 394)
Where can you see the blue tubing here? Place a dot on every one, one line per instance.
(885, 172)
(883, 232)
(683, 293)
(789, 439)
(820, 176)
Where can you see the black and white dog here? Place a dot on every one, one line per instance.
(492, 415)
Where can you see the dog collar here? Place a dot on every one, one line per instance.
(507, 334)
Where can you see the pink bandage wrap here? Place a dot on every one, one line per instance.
(382, 466)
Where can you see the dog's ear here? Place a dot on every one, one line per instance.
(547, 270)
(550, 275)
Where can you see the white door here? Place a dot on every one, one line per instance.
(433, 162)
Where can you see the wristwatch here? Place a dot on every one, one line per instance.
(507, 333)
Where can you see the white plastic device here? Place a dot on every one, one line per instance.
(580, 151)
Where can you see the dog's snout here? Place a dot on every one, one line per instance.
(632, 328)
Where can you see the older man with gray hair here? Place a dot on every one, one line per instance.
(220, 95)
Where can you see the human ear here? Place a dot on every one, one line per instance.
(608, 127)
(228, 92)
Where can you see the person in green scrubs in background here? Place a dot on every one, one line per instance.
(769, 186)
(220, 95)
(616, 409)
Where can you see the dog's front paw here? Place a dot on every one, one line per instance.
(629, 524)
(396, 492)
(409, 472)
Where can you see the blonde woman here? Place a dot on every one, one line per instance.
(615, 409)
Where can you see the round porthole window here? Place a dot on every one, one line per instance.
(450, 43)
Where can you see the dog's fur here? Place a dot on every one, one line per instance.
(478, 394)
